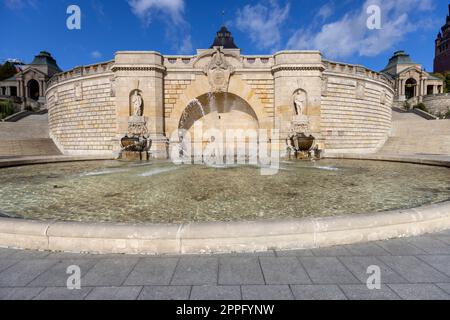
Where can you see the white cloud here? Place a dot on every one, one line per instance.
(263, 22)
(350, 35)
(325, 12)
(96, 54)
(186, 46)
(20, 4)
(145, 9)
(177, 29)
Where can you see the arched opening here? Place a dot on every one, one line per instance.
(33, 89)
(410, 88)
(224, 113)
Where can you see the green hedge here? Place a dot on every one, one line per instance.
(447, 115)
(6, 109)
(422, 107)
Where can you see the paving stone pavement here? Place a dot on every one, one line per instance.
(415, 268)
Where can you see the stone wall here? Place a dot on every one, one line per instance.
(437, 104)
(348, 107)
(356, 109)
(82, 111)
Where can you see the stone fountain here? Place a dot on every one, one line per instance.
(300, 142)
(136, 143)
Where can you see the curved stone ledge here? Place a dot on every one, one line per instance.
(26, 161)
(431, 160)
(198, 238)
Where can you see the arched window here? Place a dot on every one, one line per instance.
(33, 89)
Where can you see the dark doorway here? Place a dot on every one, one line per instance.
(13, 91)
(33, 89)
(410, 88)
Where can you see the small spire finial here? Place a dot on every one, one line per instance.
(223, 17)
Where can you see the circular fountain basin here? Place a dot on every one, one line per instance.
(158, 207)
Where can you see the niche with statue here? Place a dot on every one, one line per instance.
(136, 143)
(300, 142)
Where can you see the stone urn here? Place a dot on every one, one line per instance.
(134, 144)
(302, 143)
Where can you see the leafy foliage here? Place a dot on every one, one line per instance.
(7, 70)
(6, 109)
(421, 106)
(447, 115)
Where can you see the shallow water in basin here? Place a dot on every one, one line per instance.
(160, 192)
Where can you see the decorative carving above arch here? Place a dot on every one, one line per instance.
(219, 71)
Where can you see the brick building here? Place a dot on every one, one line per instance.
(442, 53)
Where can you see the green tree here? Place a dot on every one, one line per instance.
(447, 83)
(7, 70)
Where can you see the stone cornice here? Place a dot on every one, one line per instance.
(138, 67)
(298, 67)
(363, 77)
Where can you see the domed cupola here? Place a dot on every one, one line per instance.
(224, 39)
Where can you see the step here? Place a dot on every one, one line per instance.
(29, 147)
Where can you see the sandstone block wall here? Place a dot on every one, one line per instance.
(82, 115)
(356, 109)
(348, 106)
(438, 104)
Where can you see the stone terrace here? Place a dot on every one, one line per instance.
(412, 269)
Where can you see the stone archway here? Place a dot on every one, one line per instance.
(201, 87)
(33, 89)
(410, 88)
(219, 114)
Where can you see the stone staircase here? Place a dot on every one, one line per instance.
(27, 137)
(411, 134)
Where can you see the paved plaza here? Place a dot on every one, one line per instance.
(411, 268)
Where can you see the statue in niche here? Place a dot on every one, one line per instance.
(325, 86)
(78, 92)
(300, 103)
(360, 90)
(136, 104)
(383, 97)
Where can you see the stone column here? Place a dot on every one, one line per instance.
(402, 89)
(19, 89)
(293, 71)
(143, 71)
(8, 91)
(41, 88)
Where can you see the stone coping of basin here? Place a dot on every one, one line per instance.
(30, 160)
(425, 159)
(224, 237)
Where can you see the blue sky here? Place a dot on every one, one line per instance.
(336, 27)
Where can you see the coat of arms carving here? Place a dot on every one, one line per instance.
(219, 71)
